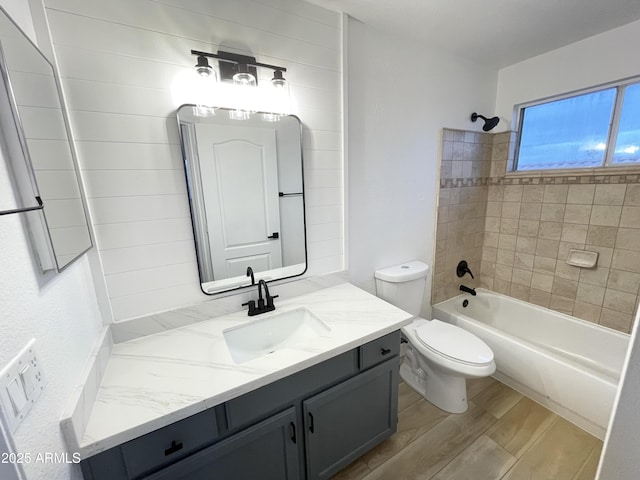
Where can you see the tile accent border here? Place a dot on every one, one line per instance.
(541, 180)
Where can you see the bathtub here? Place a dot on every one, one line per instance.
(566, 364)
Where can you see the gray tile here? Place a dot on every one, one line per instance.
(624, 281)
(555, 193)
(552, 212)
(577, 214)
(591, 294)
(616, 320)
(533, 193)
(581, 194)
(620, 301)
(609, 194)
(605, 215)
(601, 235)
(564, 288)
(632, 196)
(630, 217)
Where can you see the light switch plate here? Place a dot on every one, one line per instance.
(17, 396)
(21, 379)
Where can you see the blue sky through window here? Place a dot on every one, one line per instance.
(628, 142)
(567, 133)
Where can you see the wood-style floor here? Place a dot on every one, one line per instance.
(503, 435)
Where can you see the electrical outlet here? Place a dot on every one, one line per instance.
(21, 383)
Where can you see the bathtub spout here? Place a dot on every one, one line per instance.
(472, 291)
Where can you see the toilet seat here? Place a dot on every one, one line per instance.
(454, 343)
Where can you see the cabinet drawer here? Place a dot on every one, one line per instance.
(170, 443)
(266, 451)
(379, 350)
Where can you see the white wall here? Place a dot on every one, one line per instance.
(596, 60)
(59, 310)
(400, 96)
(118, 60)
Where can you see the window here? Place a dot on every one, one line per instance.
(594, 129)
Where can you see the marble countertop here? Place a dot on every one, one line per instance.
(153, 381)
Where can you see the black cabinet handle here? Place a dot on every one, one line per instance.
(293, 432)
(175, 447)
(311, 422)
(385, 351)
(275, 235)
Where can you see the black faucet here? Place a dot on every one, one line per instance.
(264, 304)
(250, 274)
(466, 289)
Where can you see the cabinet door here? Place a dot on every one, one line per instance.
(268, 451)
(347, 420)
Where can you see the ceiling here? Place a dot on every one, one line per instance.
(495, 33)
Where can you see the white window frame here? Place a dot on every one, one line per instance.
(614, 124)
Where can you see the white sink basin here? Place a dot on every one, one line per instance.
(270, 332)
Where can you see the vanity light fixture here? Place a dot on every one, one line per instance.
(231, 64)
(242, 72)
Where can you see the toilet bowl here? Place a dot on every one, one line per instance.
(438, 356)
(438, 359)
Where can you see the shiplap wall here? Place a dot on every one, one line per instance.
(118, 59)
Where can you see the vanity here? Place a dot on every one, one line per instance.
(181, 404)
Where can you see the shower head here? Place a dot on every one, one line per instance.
(489, 123)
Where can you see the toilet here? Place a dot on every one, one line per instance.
(438, 356)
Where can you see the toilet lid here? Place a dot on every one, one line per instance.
(454, 342)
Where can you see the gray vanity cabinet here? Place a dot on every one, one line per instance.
(349, 419)
(268, 451)
(308, 425)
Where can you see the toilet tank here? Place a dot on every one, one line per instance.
(403, 285)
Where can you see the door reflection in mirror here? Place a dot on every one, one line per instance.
(246, 192)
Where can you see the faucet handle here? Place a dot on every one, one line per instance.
(270, 300)
(463, 268)
(252, 306)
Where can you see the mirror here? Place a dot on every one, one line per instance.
(36, 139)
(246, 192)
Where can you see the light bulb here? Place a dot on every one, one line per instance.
(278, 97)
(190, 86)
(243, 77)
(203, 68)
(245, 86)
(278, 81)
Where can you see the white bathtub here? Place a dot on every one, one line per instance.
(569, 365)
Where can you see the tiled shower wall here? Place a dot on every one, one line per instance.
(465, 171)
(530, 224)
